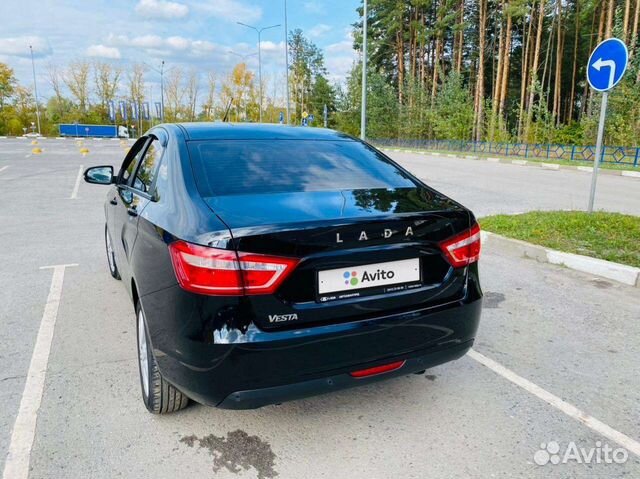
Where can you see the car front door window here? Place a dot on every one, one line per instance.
(131, 160)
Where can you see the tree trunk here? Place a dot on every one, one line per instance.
(413, 36)
(526, 62)
(497, 80)
(479, 100)
(438, 54)
(602, 22)
(625, 20)
(505, 70)
(461, 38)
(552, 34)
(498, 73)
(534, 69)
(610, 13)
(436, 64)
(636, 21)
(584, 107)
(400, 55)
(575, 62)
(557, 100)
(423, 54)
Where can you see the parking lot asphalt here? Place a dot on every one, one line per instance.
(491, 188)
(571, 335)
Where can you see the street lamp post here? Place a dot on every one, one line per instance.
(259, 31)
(286, 57)
(162, 91)
(161, 72)
(35, 89)
(363, 111)
(244, 57)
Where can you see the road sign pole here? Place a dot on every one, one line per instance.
(605, 68)
(596, 163)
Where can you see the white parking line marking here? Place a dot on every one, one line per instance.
(74, 193)
(24, 429)
(570, 410)
(4, 168)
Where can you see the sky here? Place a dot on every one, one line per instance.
(184, 33)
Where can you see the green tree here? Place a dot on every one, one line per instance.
(453, 112)
(239, 88)
(382, 106)
(322, 93)
(306, 67)
(7, 84)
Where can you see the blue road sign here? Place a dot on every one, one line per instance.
(311, 118)
(607, 64)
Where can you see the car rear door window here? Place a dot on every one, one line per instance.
(239, 167)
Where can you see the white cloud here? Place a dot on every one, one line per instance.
(269, 46)
(314, 6)
(338, 67)
(178, 43)
(231, 10)
(160, 9)
(339, 58)
(203, 46)
(147, 41)
(19, 46)
(272, 54)
(319, 30)
(170, 46)
(340, 47)
(102, 51)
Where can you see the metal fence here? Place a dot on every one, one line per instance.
(619, 155)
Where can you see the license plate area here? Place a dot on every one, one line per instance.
(368, 279)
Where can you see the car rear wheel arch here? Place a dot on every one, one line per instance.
(134, 293)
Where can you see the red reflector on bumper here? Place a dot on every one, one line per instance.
(385, 368)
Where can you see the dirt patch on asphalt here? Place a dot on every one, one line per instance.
(492, 300)
(237, 451)
(601, 283)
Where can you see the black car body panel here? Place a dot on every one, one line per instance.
(227, 350)
(211, 363)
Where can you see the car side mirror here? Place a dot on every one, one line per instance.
(99, 175)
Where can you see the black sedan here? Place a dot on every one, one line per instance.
(268, 263)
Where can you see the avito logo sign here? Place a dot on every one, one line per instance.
(351, 278)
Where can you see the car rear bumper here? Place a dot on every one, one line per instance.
(255, 398)
(255, 368)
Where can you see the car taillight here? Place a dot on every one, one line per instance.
(214, 271)
(464, 248)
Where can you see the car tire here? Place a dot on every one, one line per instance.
(111, 255)
(158, 395)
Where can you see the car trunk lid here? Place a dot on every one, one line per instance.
(357, 232)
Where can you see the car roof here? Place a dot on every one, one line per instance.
(256, 131)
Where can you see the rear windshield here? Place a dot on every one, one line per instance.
(240, 167)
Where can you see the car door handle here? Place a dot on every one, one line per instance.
(132, 211)
(113, 201)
